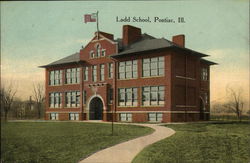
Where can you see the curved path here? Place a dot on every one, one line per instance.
(126, 151)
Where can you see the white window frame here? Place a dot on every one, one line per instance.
(55, 100)
(155, 117)
(110, 70)
(54, 116)
(129, 95)
(94, 73)
(128, 67)
(147, 66)
(72, 99)
(55, 77)
(126, 117)
(102, 72)
(72, 76)
(148, 93)
(86, 74)
(74, 116)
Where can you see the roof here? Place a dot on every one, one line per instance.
(147, 43)
(208, 62)
(74, 58)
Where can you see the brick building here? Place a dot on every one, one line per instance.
(138, 78)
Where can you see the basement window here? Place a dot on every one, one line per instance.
(126, 117)
(155, 117)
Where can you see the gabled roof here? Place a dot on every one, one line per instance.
(74, 58)
(147, 43)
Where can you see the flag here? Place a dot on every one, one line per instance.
(90, 17)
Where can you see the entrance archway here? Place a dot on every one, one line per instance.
(95, 109)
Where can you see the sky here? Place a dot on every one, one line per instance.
(38, 33)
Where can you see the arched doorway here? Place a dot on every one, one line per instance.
(95, 109)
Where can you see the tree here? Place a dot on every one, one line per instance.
(7, 94)
(235, 101)
(39, 97)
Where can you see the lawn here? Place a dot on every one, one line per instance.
(60, 141)
(224, 142)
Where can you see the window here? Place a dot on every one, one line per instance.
(101, 72)
(110, 70)
(206, 98)
(153, 67)
(54, 116)
(72, 75)
(128, 69)
(155, 117)
(73, 116)
(204, 74)
(153, 95)
(110, 95)
(55, 100)
(72, 99)
(127, 96)
(84, 97)
(92, 54)
(98, 50)
(103, 52)
(94, 73)
(86, 74)
(55, 77)
(126, 117)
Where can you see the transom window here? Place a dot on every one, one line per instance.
(55, 77)
(72, 75)
(127, 96)
(73, 116)
(54, 116)
(153, 95)
(94, 73)
(204, 74)
(101, 72)
(126, 117)
(153, 67)
(128, 69)
(55, 100)
(155, 117)
(72, 99)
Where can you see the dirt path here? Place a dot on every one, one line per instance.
(126, 151)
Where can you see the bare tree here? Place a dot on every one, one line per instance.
(7, 93)
(235, 101)
(39, 97)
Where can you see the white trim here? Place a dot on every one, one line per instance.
(183, 77)
(96, 95)
(104, 38)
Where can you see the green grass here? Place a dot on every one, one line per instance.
(60, 142)
(201, 143)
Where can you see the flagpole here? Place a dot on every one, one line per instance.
(97, 25)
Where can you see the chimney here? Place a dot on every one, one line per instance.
(130, 34)
(179, 40)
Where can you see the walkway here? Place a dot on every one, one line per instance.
(125, 152)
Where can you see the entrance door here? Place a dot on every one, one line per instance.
(95, 109)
